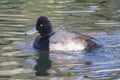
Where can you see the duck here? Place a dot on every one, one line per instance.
(59, 40)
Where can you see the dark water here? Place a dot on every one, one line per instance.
(97, 18)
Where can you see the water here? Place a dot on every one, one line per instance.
(99, 19)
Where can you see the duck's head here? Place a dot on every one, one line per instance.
(43, 26)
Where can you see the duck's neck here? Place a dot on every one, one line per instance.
(45, 35)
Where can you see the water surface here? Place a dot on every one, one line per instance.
(99, 19)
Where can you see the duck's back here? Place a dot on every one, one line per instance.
(70, 41)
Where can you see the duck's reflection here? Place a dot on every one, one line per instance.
(43, 64)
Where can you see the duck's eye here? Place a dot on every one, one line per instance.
(41, 25)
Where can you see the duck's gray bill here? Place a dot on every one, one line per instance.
(32, 31)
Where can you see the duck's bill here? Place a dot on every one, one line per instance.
(32, 31)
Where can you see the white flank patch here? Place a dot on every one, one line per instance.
(69, 46)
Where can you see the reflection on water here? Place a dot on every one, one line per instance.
(97, 18)
(43, 64)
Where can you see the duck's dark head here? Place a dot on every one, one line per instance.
(43, 26)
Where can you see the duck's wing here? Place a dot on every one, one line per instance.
(81, 36)
(90, 41)
(66, 35)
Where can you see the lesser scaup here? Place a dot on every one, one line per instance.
(61, 40)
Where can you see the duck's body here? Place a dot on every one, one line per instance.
(64, 40)
(60, 40)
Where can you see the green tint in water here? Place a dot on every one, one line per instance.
(93, 17)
